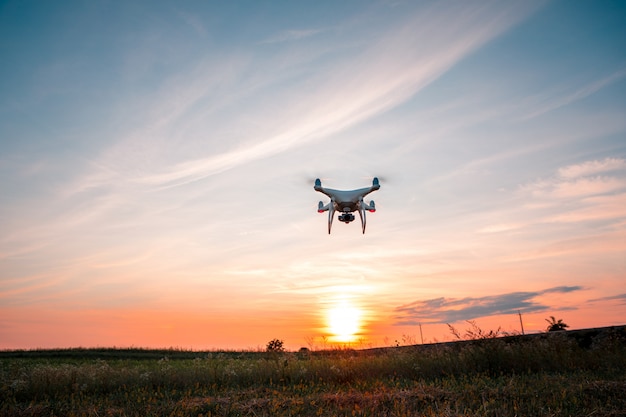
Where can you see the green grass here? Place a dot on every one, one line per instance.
(551, 375)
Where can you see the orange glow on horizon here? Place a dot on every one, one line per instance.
(346, 323)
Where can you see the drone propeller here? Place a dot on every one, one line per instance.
(382, 179)
(308, 180)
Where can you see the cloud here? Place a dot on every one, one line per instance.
(556, 99)
(363, 82)
(580, 180)
(590, 191)
(592, 168)
(194, 22)
(292, 35)
(585, 187)
(451, 310)
(619, 297)
(501, 227)
(604, 207)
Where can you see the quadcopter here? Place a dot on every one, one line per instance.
(346, 202)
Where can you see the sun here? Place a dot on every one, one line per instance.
(344, 321)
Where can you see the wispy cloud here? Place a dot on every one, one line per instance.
(580, 180)
(501, 227)
(592, 168)
(591, 190)
(450, 310)
(604, 207)
(292, 35)
(545, 103)
(620, 298)
(361, 85)
(577, 187)
(194, 22)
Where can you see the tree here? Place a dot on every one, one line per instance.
(555, 325)
(275, 345)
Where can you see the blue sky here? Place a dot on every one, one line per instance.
(157, 164)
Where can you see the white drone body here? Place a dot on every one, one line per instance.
(346, 202)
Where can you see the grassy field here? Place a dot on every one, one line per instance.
(557, 374)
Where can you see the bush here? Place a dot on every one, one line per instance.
(275, 345)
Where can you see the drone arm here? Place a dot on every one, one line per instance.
(375, 187)
(318, 187)
(369, 207)
(322, 208)
(324, 191)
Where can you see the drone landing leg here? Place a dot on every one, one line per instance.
(331, 215)
(362, 216)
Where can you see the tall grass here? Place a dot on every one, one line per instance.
(551, 375)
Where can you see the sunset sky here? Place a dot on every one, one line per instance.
(157, 162)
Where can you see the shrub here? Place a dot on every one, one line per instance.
(275, 345)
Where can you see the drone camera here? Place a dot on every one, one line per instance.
(346, 217)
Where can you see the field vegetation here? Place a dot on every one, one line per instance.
(553, 374)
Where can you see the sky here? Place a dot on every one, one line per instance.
(157, 162)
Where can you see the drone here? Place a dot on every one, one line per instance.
(346, 202)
